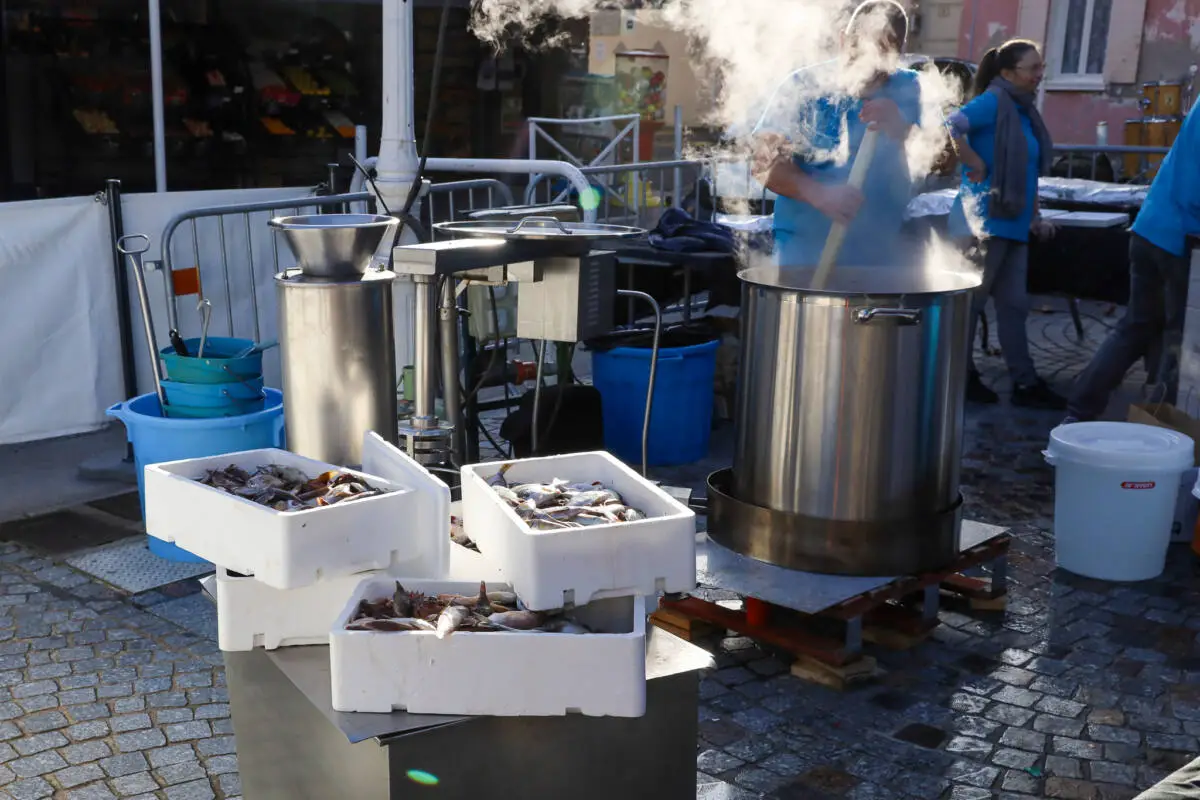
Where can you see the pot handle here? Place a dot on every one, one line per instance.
(1050, 459)
(897, 316)
(543, 222)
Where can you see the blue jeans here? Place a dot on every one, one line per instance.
(1005, 264)
(1158, 285)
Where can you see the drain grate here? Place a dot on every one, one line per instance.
(131, 567)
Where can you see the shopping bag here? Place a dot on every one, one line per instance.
(1166, 415)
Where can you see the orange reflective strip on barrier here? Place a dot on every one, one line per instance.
(186, 281)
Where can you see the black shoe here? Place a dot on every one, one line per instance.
(978, 393)
(1038, 395)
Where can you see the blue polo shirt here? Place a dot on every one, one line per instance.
(826, 132)
(980, 114)
(1171, 210)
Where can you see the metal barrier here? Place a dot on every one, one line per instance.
(1143, 174)
(490, 186)
(190, 281)
(634, 197)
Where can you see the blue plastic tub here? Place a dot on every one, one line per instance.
(681, 417)
(216, 366)
(156, 438)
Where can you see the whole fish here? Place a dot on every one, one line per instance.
(402, 602)
(498, 478)
(563, 625)
(450, 619)
(517, 620)
(594, 498)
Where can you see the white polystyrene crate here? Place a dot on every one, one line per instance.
(251, 614)
(549, 569)
(403, 530)
(500, 673)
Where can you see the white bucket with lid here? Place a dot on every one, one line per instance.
(1115, 489)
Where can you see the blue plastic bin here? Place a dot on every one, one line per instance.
(156, 438)
(681, 417)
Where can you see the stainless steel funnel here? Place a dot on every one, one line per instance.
(334, 245)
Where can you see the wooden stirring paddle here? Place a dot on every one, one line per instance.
(837, 233)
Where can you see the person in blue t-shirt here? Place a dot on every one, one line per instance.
(1158, 282)
(811, 131)
(1004, 148)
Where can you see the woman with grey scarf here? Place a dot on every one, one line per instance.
(1004, 148)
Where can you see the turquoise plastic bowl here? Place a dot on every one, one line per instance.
(216, 366)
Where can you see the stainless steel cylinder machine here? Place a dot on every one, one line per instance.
(337, 335)
(849, 421)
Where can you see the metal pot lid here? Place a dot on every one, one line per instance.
(547, 229)
(901, 279)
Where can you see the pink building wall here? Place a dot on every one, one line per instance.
(1170, 43)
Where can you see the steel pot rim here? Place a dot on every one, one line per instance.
(776, 278)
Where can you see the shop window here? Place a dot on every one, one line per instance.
(257, 93)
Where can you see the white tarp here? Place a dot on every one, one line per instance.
(60, 364)
(60, 361)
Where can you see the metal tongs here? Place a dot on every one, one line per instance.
(139, 274)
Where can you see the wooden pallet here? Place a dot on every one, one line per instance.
(827, 645)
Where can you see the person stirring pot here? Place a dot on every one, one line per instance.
(1004, 147)
(808, 137)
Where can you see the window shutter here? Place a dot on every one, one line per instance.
(1031, 20)
(1124, 41)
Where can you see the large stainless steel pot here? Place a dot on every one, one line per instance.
(849, 420)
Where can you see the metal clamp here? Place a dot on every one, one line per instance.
(555, 222)
(899, 316)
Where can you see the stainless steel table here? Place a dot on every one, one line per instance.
(292, 744)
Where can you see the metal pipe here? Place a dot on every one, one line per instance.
(506, 166)
(135, 261)
(678, 154)
(537, 399)
(116, 231)
(396, 167)
(451, 384)
(360, 143)
(426, 357)
(154, 19)
(631, 293)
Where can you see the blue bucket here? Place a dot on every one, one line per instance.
(216, 366)
(681, 418)
(156, 438)
(194, 400)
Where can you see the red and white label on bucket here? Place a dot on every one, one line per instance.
(1137, 485)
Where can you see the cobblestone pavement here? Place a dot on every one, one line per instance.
(100, 698)
(1078, 690)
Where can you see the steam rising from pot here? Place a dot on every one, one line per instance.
(744, 52)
